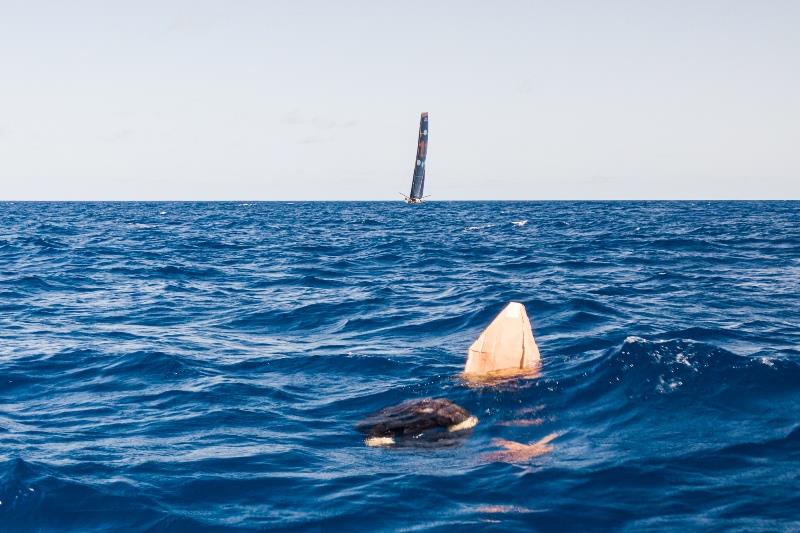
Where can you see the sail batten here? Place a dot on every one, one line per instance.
(418, 182)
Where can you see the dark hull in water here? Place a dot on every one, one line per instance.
(425, 422)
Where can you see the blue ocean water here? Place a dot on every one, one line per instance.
(200, 366)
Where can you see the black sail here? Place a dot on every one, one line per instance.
(418, 184)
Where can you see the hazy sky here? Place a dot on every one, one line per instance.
(272, 100)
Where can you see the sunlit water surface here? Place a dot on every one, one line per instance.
(202, 365)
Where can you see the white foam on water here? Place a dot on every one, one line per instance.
(634, 339)
(475, 228)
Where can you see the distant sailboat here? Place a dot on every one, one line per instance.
(418, 182)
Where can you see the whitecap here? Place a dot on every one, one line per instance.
(519, 223)
(667, 386)
(478, 227)
(633, 339)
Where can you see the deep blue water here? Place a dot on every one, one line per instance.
(189, 366)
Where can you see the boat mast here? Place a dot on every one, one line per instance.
(418, 183)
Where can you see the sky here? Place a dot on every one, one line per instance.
(320, 100)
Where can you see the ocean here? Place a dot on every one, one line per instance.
(201, 366)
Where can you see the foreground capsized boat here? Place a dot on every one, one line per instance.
(418, 183)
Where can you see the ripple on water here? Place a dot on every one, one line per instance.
(202, 365)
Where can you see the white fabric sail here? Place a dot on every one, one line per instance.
(505, 346)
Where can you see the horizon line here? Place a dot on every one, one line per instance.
(4, 201)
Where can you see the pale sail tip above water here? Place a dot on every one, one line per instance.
(507, 345)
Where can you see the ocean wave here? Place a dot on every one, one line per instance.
(204, 368)
(642, 370)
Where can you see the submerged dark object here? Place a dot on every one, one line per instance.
(417, 422)
(418, 181)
